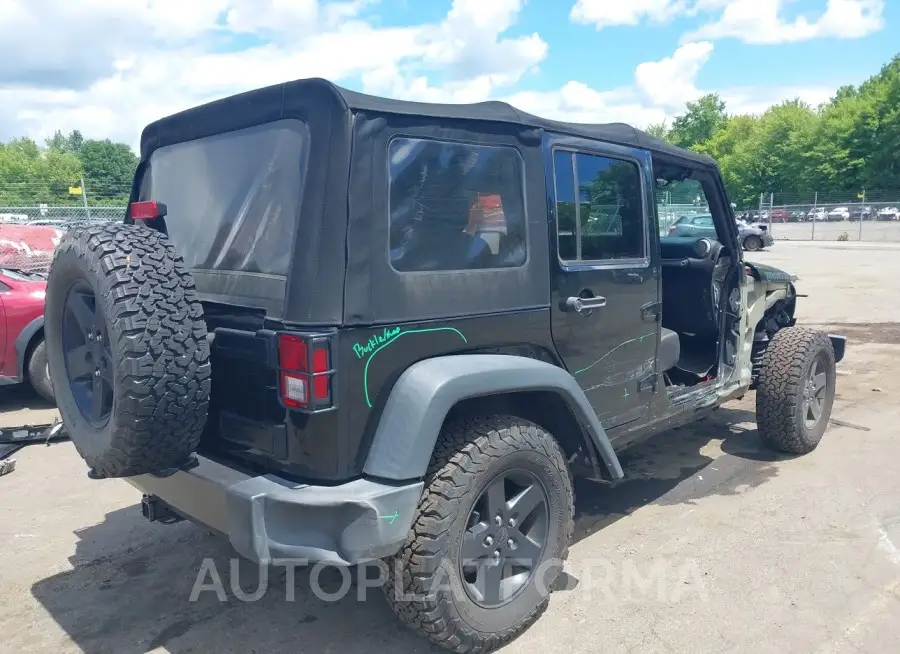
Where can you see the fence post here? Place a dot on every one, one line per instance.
(87, 209)
(862, 208)
(813, 217)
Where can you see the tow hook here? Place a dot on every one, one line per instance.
(155, 510)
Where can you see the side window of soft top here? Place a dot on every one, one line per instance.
(599, 208)
(455, 206)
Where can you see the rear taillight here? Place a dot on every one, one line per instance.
(304, 371)
(147, 210)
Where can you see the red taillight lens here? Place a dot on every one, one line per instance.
(147, 210)
(304, 383)
(292, 359)
(292, 353)
(320, 378)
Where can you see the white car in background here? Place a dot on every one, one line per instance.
(889, 213)
(817, 214)
(839, 213)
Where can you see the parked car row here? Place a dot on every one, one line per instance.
(838, 213)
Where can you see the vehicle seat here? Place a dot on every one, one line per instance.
(669, 350)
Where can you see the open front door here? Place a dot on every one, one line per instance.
(605, 308)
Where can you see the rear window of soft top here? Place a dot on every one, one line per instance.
(232, 199)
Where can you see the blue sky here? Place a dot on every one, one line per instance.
(589, 60)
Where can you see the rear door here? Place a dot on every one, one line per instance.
(606, 273)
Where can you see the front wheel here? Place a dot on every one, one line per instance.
(795, 390)
(492, 530)
(753, 243)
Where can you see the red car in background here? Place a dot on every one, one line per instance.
(23, 355)
(25, 255)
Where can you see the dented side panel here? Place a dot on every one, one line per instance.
(610, 348)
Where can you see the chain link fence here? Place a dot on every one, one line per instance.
(60, 215)
(29, 235)
(789, 216)
(871, 217)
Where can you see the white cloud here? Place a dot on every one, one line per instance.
(605, 13)
(148, 58)
(578, 103)
(669, 82)
(660, 91)
(608, 13)
(762, 22)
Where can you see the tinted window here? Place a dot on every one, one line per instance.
(703, 221)
(599, 208)
(233, 198)
(455, 206)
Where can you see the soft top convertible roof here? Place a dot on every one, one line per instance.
(298, 98)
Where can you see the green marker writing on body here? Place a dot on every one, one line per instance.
(389, 334)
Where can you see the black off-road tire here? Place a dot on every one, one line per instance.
(469, 455)
(158, 343)
(753, 243)
(39, 372)
(783, 373)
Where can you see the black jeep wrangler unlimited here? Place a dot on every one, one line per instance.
(343, 328)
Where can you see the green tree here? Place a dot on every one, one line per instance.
(701, 121)
(659, 130)
(62, 143)
(736, 146)
(108, 169)
(29, 176)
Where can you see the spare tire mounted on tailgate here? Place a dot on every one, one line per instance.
(127, 348)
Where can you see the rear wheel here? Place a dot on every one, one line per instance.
(753, 243)
(39, 372)
(127, 349)
(795, 390)
(492, 532)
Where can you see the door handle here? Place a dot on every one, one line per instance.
(585, 305)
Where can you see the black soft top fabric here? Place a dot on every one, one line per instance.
(344, 194)
(295, 99)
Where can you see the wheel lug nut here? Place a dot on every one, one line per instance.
(488, 541)
(511, 544)
(90, 336)
(512, 522)
(498, 520)
(497, 555)
(96, 373)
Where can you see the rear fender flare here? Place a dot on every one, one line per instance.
(423, 395)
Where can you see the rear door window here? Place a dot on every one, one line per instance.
(233, 199)
(455, 206)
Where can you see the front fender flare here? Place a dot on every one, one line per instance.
(423, 395)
